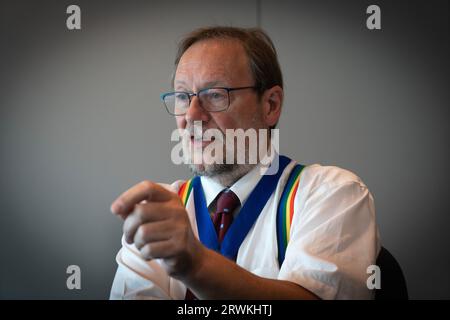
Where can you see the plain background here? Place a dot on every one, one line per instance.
(81, 121)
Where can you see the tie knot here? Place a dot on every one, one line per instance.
(227, 201)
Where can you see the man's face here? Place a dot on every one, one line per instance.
(217, 63)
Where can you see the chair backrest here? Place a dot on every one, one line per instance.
(393, 283)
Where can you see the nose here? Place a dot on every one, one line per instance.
(195, 112)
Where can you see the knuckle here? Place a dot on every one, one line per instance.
(178, 243)
(185, 236)
(184, 229)
(147, 185)
(180, 215)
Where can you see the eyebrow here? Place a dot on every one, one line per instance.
(205, 85)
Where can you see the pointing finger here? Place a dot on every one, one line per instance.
(145, 190)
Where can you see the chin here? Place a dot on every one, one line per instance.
(210, 170)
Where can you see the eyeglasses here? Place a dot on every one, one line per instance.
(214, 99)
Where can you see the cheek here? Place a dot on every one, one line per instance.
(243, 119)
(249, 113)
(226, 120)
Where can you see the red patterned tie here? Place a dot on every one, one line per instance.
(223, 217)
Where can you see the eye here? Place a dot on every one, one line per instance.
(216, 94)
(181, 96)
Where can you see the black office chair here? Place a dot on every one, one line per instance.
(393, 283)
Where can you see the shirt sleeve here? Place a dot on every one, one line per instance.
(333, 239)
(137, 278)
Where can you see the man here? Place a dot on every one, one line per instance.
(229, 78)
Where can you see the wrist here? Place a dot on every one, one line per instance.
(198, 268)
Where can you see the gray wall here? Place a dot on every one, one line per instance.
(81, 121)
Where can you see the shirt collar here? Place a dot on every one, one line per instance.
(242, 188)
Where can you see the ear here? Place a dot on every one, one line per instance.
(272, 101)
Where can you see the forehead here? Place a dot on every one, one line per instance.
(214, 60)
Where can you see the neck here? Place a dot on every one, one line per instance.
(227, 179)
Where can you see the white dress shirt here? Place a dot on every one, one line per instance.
(333, 239)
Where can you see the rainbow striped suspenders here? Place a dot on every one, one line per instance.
(185, 191)
(285, 211)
